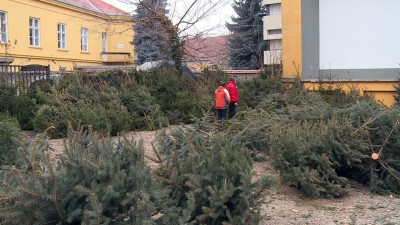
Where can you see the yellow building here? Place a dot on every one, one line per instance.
(64, 33)
(348, 44)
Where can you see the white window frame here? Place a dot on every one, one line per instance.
(84, 40)
(274, 9)
(62, 35)
(34, 31)
(3, 27)
(276, 44)
(275, 32)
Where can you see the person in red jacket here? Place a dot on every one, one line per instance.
(234, 94)
(222, 100)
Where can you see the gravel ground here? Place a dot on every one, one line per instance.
(285, 206)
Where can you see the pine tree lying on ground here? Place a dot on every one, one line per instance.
(208, 175)
(96, 181)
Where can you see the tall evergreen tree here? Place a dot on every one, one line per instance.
(151, 39)
(246, 43)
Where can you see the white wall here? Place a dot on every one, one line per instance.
(359, 34)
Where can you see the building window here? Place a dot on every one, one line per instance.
(274, 9)
(275, 32)
(104, 42)
(3, 27)
(275, 44)
(62, 36)
(34, 32)
(84, 40)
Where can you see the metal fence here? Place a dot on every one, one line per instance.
(23, 76)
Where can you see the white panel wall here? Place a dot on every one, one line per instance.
(359, 34)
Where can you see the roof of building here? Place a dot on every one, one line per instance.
(97, 6)
(209, 49)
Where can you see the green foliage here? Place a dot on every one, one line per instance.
(337, 97)
(295, 106)
(310, 154)
(118, 116)
(208, 178)
(9, 135)
(142, 107)
(383, 127)
(96, 181)
(23, 106)
(115, 78)
(205, 86)
(151, 39)
(86, 100)
(317, 146)
(7, 95)
(50, 116)
(24, 109)
(246, 44)
(174, 93)
(254, 91)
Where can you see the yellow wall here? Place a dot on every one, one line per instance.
(291, 38)
(119, 32)
(383, 92)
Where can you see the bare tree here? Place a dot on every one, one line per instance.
(182, 20)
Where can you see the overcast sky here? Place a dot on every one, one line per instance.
(216, 21)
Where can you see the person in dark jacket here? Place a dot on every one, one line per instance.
(222, 101)
(234, 95)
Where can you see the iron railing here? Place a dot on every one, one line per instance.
(23, 76)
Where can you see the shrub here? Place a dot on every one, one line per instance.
(381, 175)
(385, 140)
(7, 95)
(24, 109)
(9, 136)
(115, 78)
(118, 116)
(50, 116)
(175, 94)
(310, 154)
(96, 181)
(142, 107)
(85, 100)
(296, 106)
(338, 98)
(87, 114)
(254, 91)
(208, 178)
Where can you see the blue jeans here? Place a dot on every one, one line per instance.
(221, 114)
(232, 110)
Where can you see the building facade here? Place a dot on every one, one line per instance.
(64, 33)
(207, 53)
(273, 32)
(351, 44)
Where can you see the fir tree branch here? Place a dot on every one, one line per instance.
(370, 120)
(156, 152)
(54, 201)
(387, 169)
(390, 134)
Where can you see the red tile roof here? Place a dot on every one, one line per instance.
(209, 49)
(95, 6)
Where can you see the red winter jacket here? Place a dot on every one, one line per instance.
(233, 91)
(222, 98)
